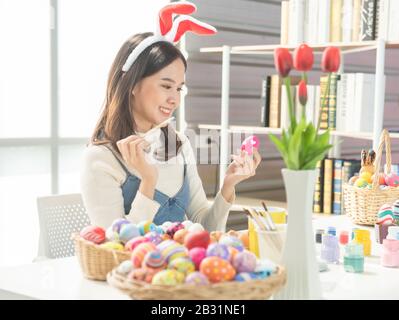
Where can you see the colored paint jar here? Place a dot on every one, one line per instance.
(332, 231)
(330, 248)
(344, 238)
(319, 234)
(354, 258)
(362, 236)
(390, 253)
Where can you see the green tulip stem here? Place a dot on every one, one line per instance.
(304, 78)
(287, 81)
(326, 94)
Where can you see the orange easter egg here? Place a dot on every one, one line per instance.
(180, 235)
(233, 251)
(217, 269)
(244, 237)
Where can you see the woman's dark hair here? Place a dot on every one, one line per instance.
(116, 121)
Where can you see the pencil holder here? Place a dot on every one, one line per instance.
(271, 243)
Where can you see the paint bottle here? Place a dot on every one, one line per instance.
(330, 249)
(354, 258)
(390, 253)
(362, 236)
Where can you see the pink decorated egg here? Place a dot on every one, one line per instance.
(171, 250)
(392, 180)
(173, 228)
(217, 269)
(140, 252)
(244, 261)
(93, 234)
(197, 239)
(197, 255)
(180, 235)
(133, 243)
(154, 237)
(250, 143)
(154, 259)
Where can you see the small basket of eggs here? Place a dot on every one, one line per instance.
(365, 194)
(190, 263)
(99, 250)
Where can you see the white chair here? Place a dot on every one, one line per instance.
(59, 217)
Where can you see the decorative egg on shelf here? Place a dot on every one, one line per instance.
(93, 234)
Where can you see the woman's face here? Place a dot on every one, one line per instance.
(157, 96)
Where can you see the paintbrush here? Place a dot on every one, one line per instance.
(152, 130)
(269, 217)
(254, 217)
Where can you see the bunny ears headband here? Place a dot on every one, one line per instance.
(171, 30)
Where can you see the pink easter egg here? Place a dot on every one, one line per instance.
(139, 253)
(133, 243)
(392, 180)
(250, 143)
(93, 234)
(196, 255)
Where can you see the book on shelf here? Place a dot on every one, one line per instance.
(328, 185)
(275, 101)
(312, 25)
(357, 6)
(323, 103)
(367, 20)
(296, 21)
(265, 101)
(337, 186)
(347, 16)
(332, 101)
(324, 21)
(349, 168)
(335, 20)
(319, 188)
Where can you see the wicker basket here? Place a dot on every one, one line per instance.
(96, 261)
(362, 205)
(231, 290)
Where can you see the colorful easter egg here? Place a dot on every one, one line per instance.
(187, 224)
(171, 250)
(125, 267)
(168, 277)
(217, 269)
(196, 227)
(233, 251)
(218, 250)
(244, 237)
(112, 245)
(244, 261)
(128, 232)
(385, 214)
(197, 278)
(133, 243)
(180, 235)
(197, 255)
(146, 226)
(173, 228)
(154, 237)
(361, 183)
(159, 230)
(381, 178)
(250, 143)
(184, 265)
(154, 259)
(366, 176)
(111, 235)
(395, 210)
(232, 241)
(140, 252)
(118, 223)
(93, 234)
(143, 274)
(245, 276)
(197, 239)
(392, 180)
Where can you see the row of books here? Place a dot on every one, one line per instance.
(328, 190)
(321, 21)
(348, 106)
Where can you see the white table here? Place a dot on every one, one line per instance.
(62, 278)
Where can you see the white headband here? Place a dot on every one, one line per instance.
(170, 30)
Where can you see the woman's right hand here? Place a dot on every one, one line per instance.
(132, 151)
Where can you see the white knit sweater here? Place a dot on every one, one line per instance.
(102, 177)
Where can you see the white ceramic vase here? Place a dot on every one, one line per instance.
(299, 253)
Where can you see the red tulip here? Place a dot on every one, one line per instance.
(303, 58)
(302, 92)
(331, 59)
(283, 61)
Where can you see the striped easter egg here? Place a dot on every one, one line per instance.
(154, 259)
(140, 252)
(385, 214)
(171, 250)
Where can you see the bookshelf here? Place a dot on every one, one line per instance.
(225, 128)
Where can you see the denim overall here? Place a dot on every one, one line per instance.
(172, 208)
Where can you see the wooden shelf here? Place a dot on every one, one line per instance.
(318, 48)
(265, 130)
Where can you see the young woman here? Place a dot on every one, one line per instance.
(120, 178)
